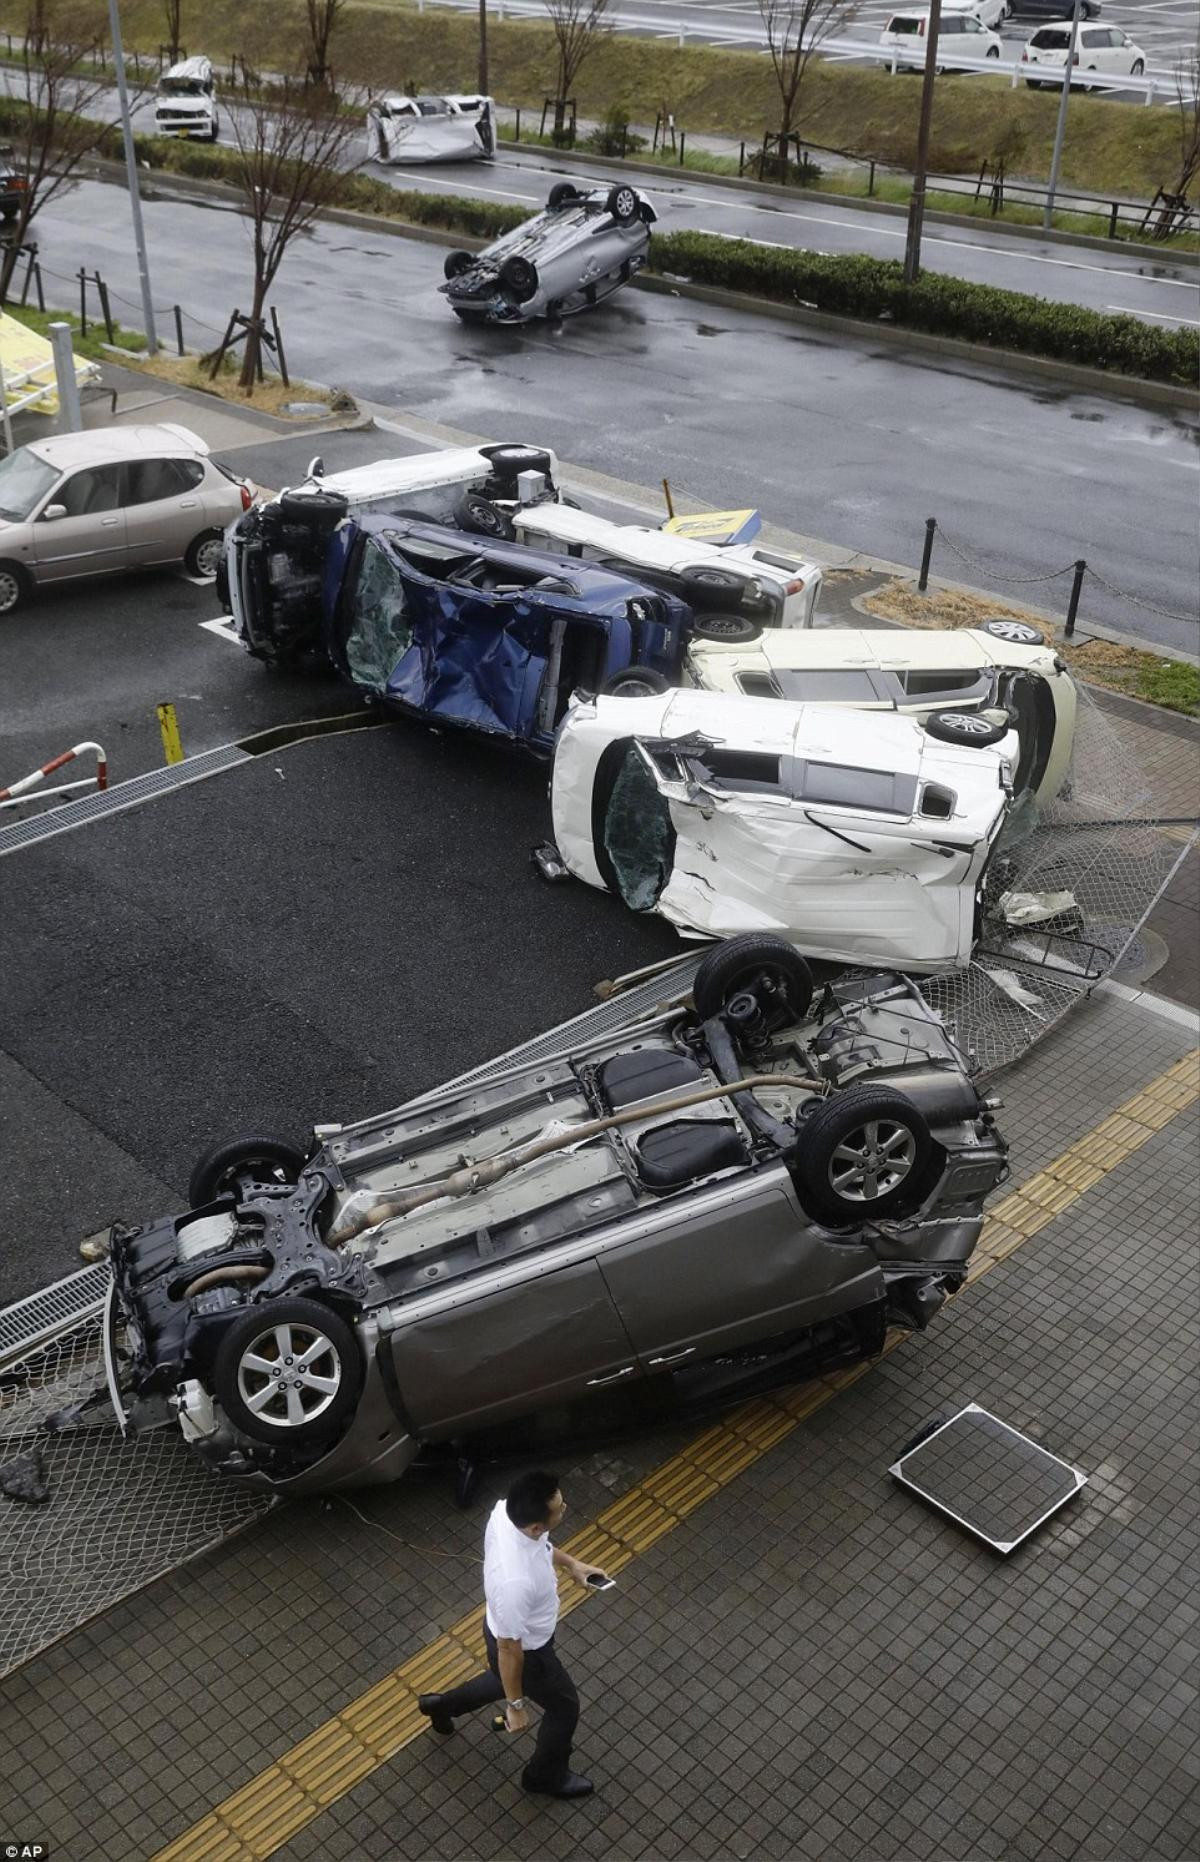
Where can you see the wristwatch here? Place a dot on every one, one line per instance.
(518, 1704)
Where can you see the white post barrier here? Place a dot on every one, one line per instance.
(70, 418)
(10, 797)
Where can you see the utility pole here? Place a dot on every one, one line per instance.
(135, 199)
(483, 55)
(1060, 130)
(916, 206)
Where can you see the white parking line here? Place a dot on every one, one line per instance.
(223, 629)
(1158, 315)
(436, 180)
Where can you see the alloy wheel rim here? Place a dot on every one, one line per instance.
(872, 1160)
(289, 1375)
(962, 721)
(209, 555)
(10, 591)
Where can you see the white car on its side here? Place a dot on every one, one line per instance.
(861, 838)
(1098, 48)
(1000, 671)
(736, 589)
(431, 129)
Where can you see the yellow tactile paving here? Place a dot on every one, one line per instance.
(260, 1818)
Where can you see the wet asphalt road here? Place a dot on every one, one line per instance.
(826, 434)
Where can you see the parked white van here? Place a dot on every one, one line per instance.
(186, 102)
(961, 31)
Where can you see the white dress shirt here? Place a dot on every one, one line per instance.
(518, 1582)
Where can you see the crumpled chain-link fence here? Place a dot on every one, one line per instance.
(120, 1513)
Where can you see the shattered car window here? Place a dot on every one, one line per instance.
(378, 630)
(638, 837)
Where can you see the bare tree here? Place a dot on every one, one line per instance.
(63, 118)
(323, 16)
(796, 29)
(576, 24)
(289, 162)
(172, 11)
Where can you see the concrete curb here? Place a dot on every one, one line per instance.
(738, 184)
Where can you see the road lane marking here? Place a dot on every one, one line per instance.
(223, 629)
(288, 1795)
(436, 181)
(1160, 316)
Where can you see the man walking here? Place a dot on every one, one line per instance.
(519, 1565)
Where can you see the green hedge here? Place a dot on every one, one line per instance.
(870, 288)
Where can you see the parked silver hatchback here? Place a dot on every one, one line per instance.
(85, 504)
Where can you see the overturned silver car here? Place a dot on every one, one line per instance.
(578, 251)
(734, 1189)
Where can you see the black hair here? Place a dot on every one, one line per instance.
(529, 1497)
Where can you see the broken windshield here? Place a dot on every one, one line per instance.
(638, 839)
(378, 630)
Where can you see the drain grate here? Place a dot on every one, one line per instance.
(988, 1477)
(124, 795)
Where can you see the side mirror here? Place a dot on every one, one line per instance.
(52, 511)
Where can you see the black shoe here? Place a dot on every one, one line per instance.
(570, 1786)
(441, 1721)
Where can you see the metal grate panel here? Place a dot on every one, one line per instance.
(988, 1477)
(124, 795)
(51, 1310)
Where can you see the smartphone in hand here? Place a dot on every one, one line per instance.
(595, 1580)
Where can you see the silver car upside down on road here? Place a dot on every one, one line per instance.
(578, 251)
(735, 1188)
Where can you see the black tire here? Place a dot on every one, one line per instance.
(622, 203)
(635, 682)
(253, 1337)
(519, 278)
(221, 583)
(456, 263)
(863, 1155)
(484, 519)
(735, 628)
(1019, 632)
(1138, 68)
(759, 962)
(15, 588)
(563, 194)
(713, 587)
(204, 552)
(321, 511)
(993, 51)
(968, 729)
(251, 1157)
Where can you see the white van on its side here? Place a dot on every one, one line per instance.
(186, 102)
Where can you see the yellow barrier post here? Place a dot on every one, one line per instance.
(168, 724)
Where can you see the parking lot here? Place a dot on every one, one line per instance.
(800, 1660)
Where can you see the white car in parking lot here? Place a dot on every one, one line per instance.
(1002, 670)
(860, 838)
(1099, 48)
(737, 589)
(961, 30)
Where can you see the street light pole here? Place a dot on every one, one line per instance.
(483, 49)
(1060, 130)
(135, 199)
(916, 206)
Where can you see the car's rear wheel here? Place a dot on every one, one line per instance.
(249, 1158)
(15, 587)
(968, 729)
(562, 194)
(321, 511)
(289, 1372)
(757, 964)
(456, 263)
(204, 553)
(863, 1155)
(727, 628)
(635, 682)
(1020, 633)
(484, 519)
(713, 587)
(622, 203)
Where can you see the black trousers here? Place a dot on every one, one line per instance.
(545, 1680)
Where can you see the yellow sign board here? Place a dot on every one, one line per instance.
(717, 526)
(28, 362)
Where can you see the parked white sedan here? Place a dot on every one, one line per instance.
(1099, 48)
(1001, 668)
(859, 838)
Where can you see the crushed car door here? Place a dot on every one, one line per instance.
(478, 653)
(733, 1263)
(535, 1341)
